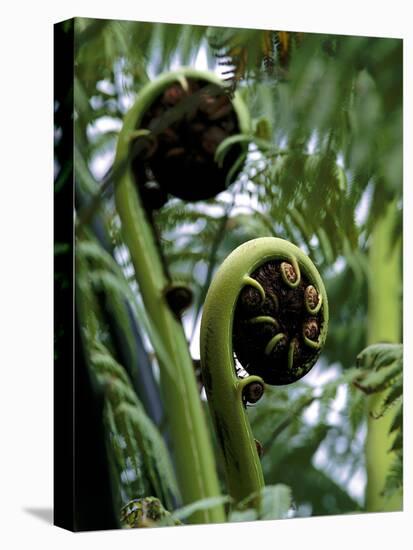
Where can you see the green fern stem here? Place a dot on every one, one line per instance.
(192, 448)
(225, 390)
(384, 325)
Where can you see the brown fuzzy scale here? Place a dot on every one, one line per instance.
(288, 309)
(181, 156)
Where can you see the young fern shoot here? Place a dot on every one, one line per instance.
(155, 162)
(267, 306)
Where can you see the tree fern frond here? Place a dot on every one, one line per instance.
(144, 446)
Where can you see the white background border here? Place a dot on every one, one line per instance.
(26, 274)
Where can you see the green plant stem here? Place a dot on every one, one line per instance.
(224, 388)
(192, 448)
(384, 325)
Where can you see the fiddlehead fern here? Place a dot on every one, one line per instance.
(267, 306)
(179, 122)
(139, 143)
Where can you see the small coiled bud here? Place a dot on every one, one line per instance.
(288, 272)
(253, 392)
(250, 299)
(312, 299)
(310, 329)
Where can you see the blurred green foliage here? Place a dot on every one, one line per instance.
(325, 160)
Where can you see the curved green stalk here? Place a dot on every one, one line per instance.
(192, 448)
(224, 389)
